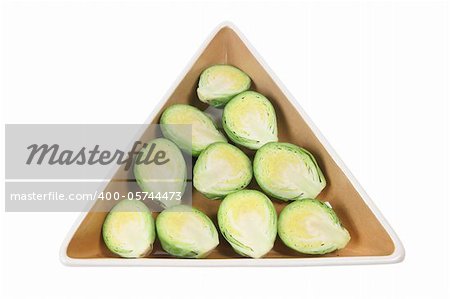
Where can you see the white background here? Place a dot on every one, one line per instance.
(373, 76)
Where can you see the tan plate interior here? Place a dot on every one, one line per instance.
(369, 238)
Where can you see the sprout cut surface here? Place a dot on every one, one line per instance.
(310, 226)
(287, 172)
(219, 83)
(186, 232)
(221, 169)
(248, 221)
(249, 120)
(189, 128)
(129, 229)
(163, 178)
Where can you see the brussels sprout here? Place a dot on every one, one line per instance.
(310, 226)
(129, 229)
(165, 178)
(249, 120)
(186, 232)
(219, 83)
(190, 139)
(248, 221)
(287, 172)
(221, 169)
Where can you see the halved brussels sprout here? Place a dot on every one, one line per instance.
(249, 120)
(186, 232)
(310, 226)
(219, 83)
(221, 169)
(165, 178)
(129, 229)
(193, 139)
(248, 221)
(287, 172)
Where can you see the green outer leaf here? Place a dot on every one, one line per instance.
(236, 134)
(176, 247)
(224, 209)
(178, 135)
(114, 245)
(201, 175)
(318, 181)
(174, 155)
(326, 247)
(219, 98)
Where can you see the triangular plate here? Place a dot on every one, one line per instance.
(373, 240)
